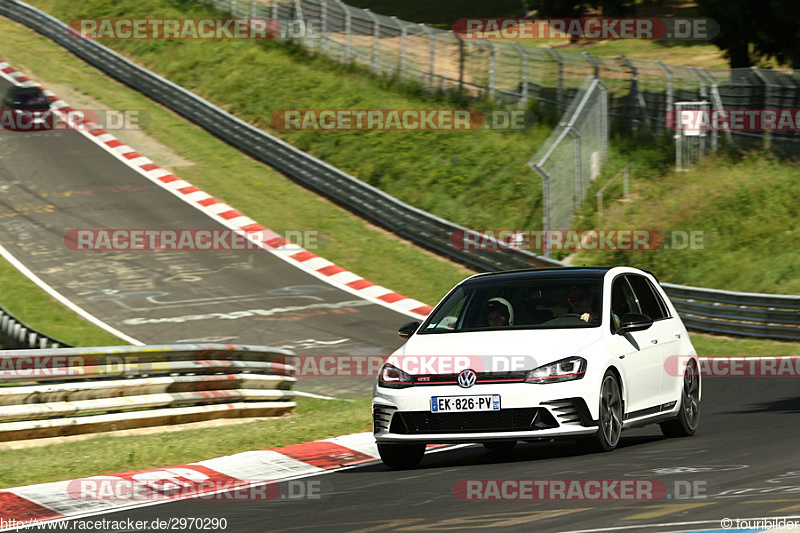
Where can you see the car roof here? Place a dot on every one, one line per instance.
(540, 273)
(566, 273)
(16, 89)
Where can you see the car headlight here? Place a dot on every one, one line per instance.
(567, 369)
(393, 378)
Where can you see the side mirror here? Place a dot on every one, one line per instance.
(634, 322)
(406, 330)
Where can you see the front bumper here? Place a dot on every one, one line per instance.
(528, 412)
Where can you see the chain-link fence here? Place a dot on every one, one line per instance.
(573, 155)
(641, 93)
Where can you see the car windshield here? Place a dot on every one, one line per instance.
(541, 303)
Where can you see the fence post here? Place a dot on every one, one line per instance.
(560, 86)
(524, 89)
(432, 41)
(403, 43)
(638, 99)
(670, 97)
(588, 57)
(767, 138)
(576, 140)
(701, 80)
(716, 103)
(298, 18)
(376, 45)
(348, 35)
(545, 205)
(491, 69)
(323, 29)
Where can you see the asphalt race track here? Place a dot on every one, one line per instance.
(51, 182)
(742, 463)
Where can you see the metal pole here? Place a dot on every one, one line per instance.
(560, 88)
(524, 97)
(545, 204)
(376, 46)
(432, 46)
(403, 41)
(491, 69)
(325, 44)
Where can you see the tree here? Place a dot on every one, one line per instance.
(750, 30)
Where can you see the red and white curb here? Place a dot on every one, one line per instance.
(61, 499)
(230, 217)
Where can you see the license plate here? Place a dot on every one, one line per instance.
(452, 404)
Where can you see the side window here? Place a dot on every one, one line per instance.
(622, 301)
(649, 300)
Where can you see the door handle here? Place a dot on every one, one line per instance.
(677, 334)
(654, 340)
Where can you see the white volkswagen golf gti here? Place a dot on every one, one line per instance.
(582, 353)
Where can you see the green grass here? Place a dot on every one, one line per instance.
(104, 454)
(37, 309)
(714, 345)
(746, 206)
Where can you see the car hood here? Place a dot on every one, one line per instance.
(544, 346)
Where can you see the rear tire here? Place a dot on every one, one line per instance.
(500, 446)
(610, 418)
(401, 456)
(685, 424)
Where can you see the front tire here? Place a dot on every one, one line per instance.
(610, 419)
(401, 456)
(685, 424)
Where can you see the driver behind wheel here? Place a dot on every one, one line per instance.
(581, 302)
(499, 313)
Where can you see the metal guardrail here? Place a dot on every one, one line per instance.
(67, 391)
(767, 316)
(15, 334)
(424, 229)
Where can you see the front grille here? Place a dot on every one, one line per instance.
(414, 422)
(380, 417)
(482, 378)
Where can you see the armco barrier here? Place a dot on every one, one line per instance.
(406, 221)
(68, 391)
(768, 316)
(15, 334)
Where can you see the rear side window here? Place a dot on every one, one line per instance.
(649, 300)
